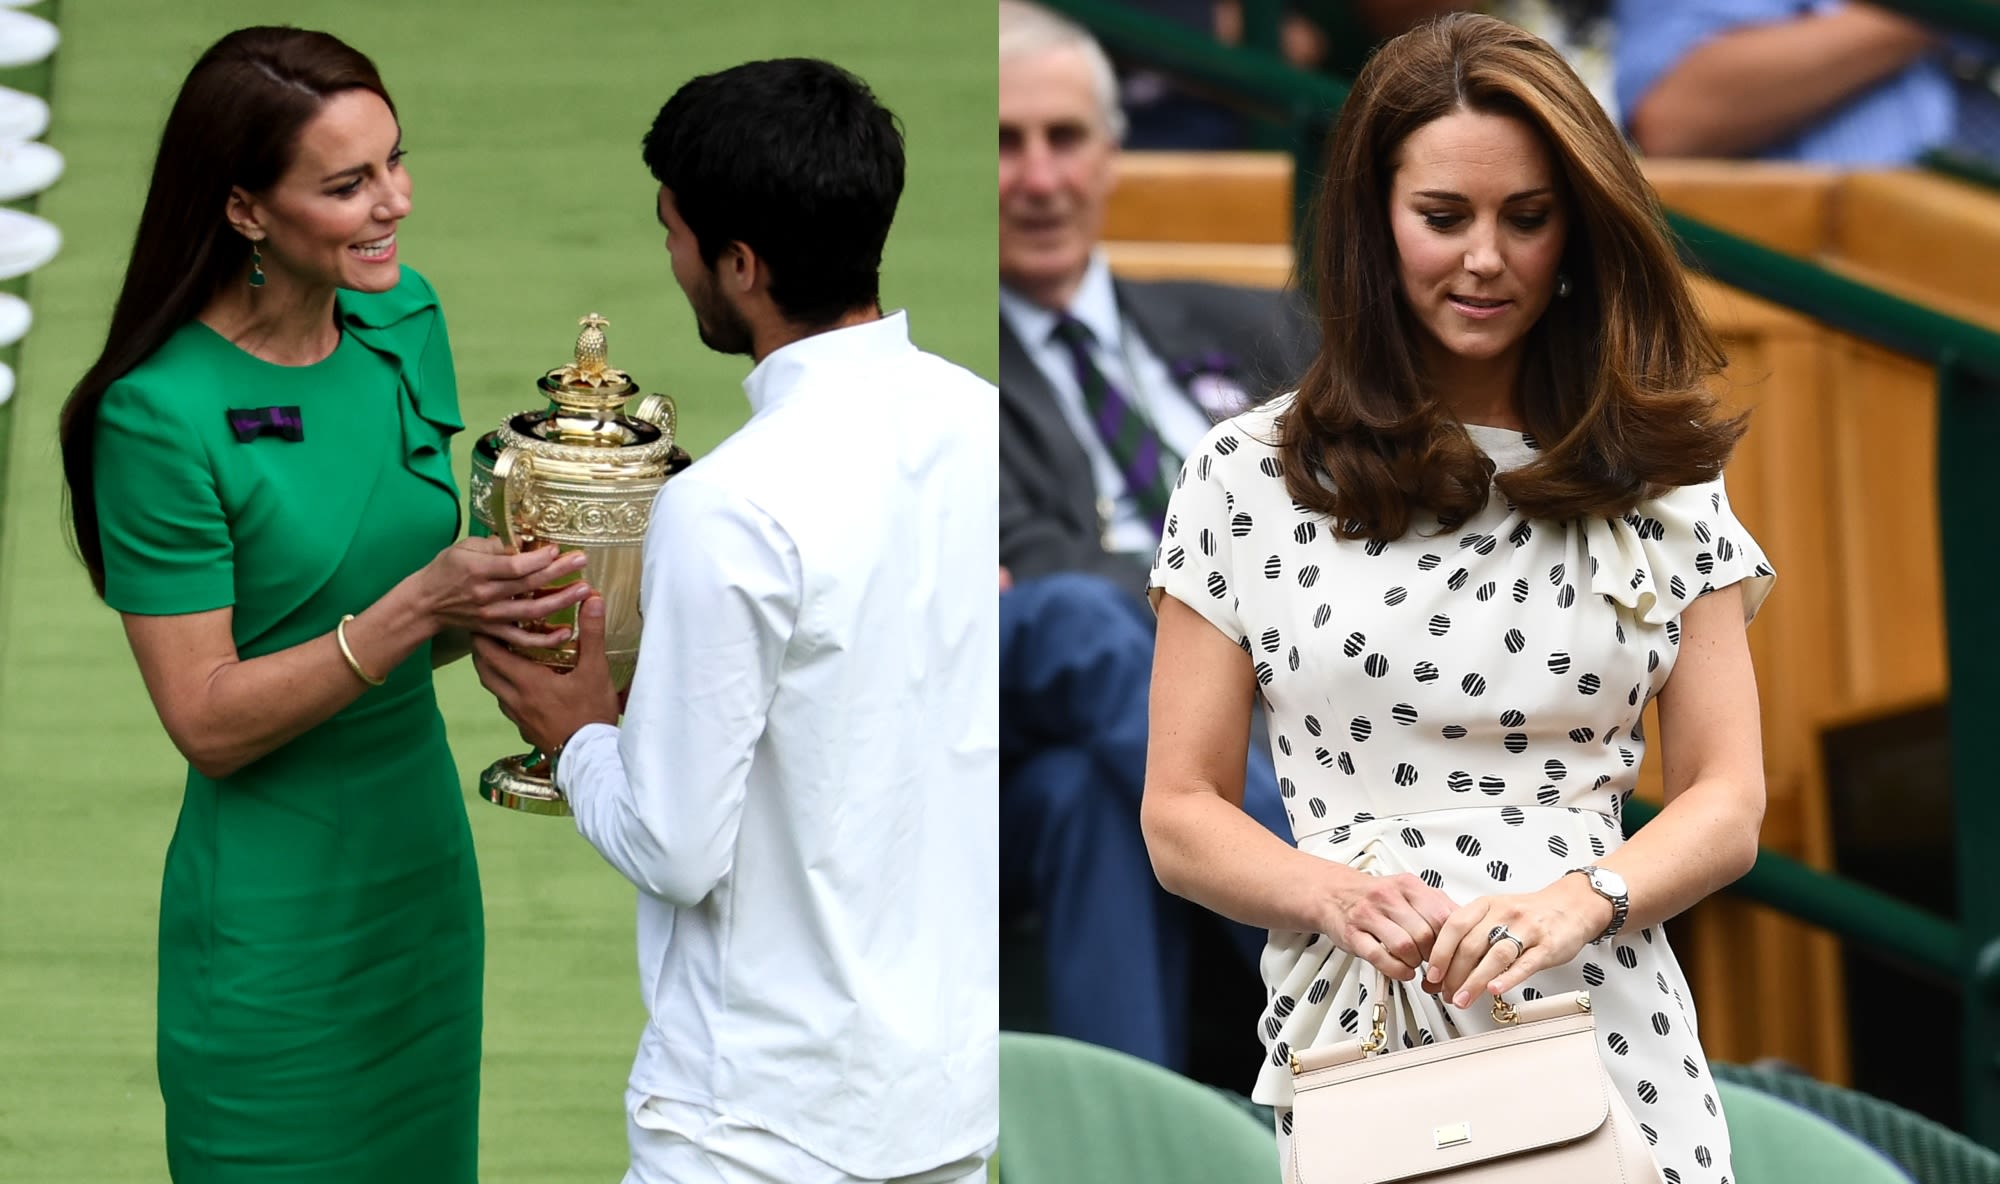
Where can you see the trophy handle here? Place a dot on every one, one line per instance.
(659, 410)
(511, 470)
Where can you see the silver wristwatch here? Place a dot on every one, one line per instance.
(1611, 886)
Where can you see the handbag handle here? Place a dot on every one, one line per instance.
(1376, 1041)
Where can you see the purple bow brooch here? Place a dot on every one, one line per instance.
(283, 422)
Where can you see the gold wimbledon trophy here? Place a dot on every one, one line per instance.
(582, 475)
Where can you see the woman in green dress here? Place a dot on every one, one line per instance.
(260, 479)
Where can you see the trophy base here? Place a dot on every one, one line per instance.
(518, 783)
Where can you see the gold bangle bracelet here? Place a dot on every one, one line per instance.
(340, 635)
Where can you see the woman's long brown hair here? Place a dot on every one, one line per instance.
(235, 123)
(1615, 381)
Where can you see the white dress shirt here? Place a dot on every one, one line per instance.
(804, 786)
(1137, 372)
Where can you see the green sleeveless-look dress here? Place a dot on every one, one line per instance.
(321, 941)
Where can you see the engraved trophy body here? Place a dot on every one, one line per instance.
(581, 475)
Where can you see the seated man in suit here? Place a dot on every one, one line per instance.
(1104, 386)
(1078, 347)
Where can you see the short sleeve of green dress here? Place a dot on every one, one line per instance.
(321, 942)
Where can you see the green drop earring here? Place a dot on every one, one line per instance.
(256, 268)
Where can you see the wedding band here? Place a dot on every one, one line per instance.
(1499, 934)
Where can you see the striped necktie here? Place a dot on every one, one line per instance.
(1142, 458)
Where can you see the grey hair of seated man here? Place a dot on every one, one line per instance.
(1027, 28)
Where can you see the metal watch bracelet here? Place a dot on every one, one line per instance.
(1621, 901)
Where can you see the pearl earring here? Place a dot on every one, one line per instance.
(256, 267)
(1562, 285)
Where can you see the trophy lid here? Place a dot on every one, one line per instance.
(588, 395)
(589, 386)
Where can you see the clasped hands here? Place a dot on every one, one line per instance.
(1413, 932)
(499, 596)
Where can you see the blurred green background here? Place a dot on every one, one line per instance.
(532, 207)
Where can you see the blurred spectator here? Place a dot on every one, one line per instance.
(1333, 36)
(1821, 80)
(1076, 658)
(1336, 36)
(1104, 386)
(1178, 355)
(1582, 31)
(1164, 112)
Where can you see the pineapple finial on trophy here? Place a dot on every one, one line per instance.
(590, 367)
(589, 387)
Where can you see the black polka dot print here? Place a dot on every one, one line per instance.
(1461, 706)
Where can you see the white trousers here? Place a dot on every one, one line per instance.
(679, 1143)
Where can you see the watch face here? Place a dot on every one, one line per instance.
(1608, 882)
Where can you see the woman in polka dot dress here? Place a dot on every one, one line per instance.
(1456, 565)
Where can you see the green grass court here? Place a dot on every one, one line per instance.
(532, 207)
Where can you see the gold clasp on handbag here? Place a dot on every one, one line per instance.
(1506, 1013)
(1378, 1036)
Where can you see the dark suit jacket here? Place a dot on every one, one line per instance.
(1048, 499)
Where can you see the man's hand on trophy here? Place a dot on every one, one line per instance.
(478, 585)
(548, 706)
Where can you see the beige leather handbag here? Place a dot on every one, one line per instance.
(1527, 1103)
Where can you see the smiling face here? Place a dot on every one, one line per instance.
(1056, 173)
(721, 327)
(1479, 224)
(331, 219)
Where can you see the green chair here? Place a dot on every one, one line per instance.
(1778, 1142)
(1930, 1152)
(1072, 1112)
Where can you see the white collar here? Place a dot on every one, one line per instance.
(787, 368)
(1095, 304)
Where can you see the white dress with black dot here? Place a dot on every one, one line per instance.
(1465, 706)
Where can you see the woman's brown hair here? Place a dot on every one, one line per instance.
(236, 123)
(1615, 378)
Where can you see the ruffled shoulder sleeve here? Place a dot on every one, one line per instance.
(406, 324)
(1671, 551)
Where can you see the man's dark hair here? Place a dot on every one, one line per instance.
(796, 159)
